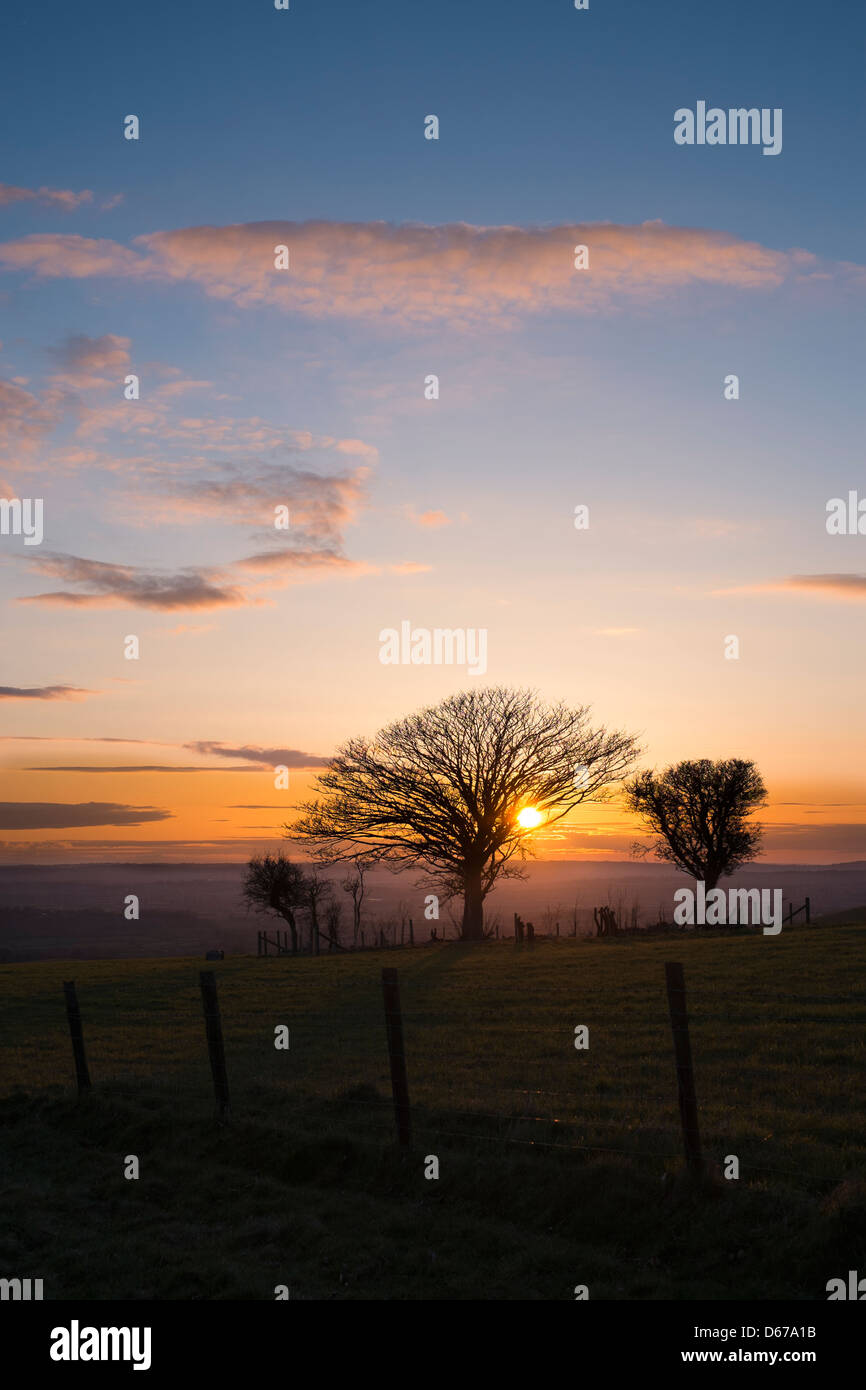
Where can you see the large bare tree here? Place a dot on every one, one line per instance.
(442, 790)
(699, 812)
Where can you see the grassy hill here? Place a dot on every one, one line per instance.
(558, 1167)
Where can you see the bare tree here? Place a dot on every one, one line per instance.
(493, 923)
(443, 789)
(275, 884)
(334, 921)
(403, 913)
(318, 891)
(354, 883)
(574, 915)
(552, 914)
(699, 813)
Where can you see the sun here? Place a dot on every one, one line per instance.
(530, 817)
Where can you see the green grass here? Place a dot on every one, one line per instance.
(558, 1167)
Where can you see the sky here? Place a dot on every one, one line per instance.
(306, 388)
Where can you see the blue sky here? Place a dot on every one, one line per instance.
(548, 114)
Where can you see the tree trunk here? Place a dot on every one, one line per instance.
(290, 918)
(473, 905)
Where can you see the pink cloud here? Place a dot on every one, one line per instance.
(84, 361)
(846, 586)
(413, 273)
(50, 197)
(96, 584)
(25, 419)
(429, 520)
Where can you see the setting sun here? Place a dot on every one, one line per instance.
(530, 817)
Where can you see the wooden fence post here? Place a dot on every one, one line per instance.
(396, 1053)
(411, 933)
(73, 1014)
(808, 919)
(216, 1050)
(685, 1074)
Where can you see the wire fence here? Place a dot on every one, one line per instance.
(492, 1107)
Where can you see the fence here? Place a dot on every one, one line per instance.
(605, 920)
(404, 1115)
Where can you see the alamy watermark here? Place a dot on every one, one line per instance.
(22, 516)
(20, 1290)
(441, 646)
(846, 517)
(736, 126)
(738, 907)
(76, 1343)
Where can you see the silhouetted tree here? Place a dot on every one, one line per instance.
(355, 884)
(699, 813)
(275, 884)
(334, 920)
(317, 892)
(442, 790)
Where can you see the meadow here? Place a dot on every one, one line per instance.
(558, 1166)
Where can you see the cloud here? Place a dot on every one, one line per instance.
(97, 738)
(61, 198)
(132, 767)
(217, 851)
(84, 361)
(415, 274)
(847, 586)
(56, 815)
(839, 837)
(289, 562)
(264, 757)
(25, 419)
(835, 585)
(320, 506)
(102, 585)
(45, 692)
(429, 520)
(70, 257)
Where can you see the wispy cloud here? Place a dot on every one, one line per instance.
(56, 815)
(430, 520)
(411, 274)
(92, 363)
(263, 757)
(846, 586)
(127, 767)
(45, 692)
(62, 198)
(98, 584)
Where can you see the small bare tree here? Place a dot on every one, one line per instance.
(354, 884)
(275, 884)
(318, 891)
(333, 923)
(574, 916)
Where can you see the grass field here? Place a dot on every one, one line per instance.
(558, 1167)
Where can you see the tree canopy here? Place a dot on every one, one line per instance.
(699, 813)
(442, 789)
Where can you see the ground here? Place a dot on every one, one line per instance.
(558, 1167)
